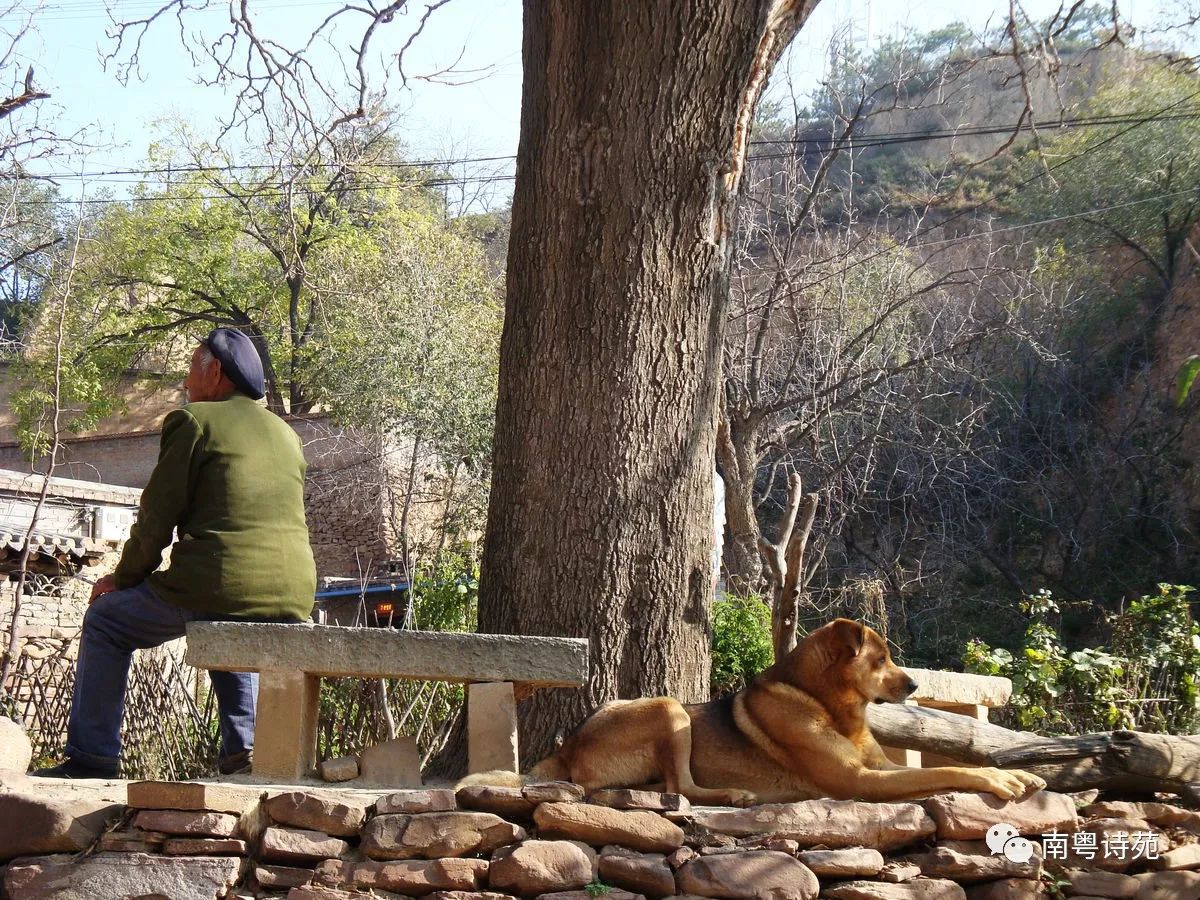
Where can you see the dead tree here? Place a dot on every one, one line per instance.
(1130, 761)
(784, 559)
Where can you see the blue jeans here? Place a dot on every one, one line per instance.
(114, 626)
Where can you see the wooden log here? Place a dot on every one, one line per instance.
(1123, 760)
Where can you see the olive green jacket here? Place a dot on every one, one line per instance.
(230, 478)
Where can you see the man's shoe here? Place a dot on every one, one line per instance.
(236, 763)
(77, 768)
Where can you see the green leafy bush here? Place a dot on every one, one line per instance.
(1145, 679)
(741, 642)
(446, 593)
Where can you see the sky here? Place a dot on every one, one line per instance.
(477, 117)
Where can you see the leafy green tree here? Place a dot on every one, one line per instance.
(1127, 194)
(263, 248)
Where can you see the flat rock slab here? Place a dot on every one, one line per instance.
(968, 868)
(963, 816)
(757, 873)
(1168, 886)
(317, 892)
(121, 875)
(282, 876)
(623, 798)
(1009, 889)
(538, 867)
(15, 752)
(917, 889)
(600, 825)
(132, 841)
(383, 653)
(204, 847)
(1102, 884)
(422, 801)
(508, 802)
(417, 877)
(1154, 813)
(192, 823)
(436, 834)
(835, 824)
(299, 845)
(861, 862)
(642, 873)
(959, 688)
(50, 815)
(194, 795)
(301, 809)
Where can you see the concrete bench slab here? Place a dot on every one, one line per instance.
(947, 689)
(292, 659)
(332, 650)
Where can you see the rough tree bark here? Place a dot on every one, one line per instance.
(634, 124)
(1123, 760)
(743, 562)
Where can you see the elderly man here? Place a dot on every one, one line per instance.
(230, 480)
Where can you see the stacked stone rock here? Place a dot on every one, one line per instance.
(547, 841)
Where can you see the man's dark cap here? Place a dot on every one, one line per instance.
(239, 360)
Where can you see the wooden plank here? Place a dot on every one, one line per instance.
(336, 651)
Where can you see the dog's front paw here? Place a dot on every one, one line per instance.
(1032, 782)
(1009, 784)
(738, 797)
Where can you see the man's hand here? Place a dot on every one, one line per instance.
(105, 585)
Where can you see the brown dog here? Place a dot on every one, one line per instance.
(798, 732)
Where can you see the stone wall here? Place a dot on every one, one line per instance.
(548, 841)
(353, 492)
(53, 613)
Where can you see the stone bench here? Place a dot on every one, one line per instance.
(956, 692)
(292, 659)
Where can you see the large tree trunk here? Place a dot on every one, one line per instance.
(743, 562)
(634, 123)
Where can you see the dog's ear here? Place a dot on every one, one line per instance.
(851, 636)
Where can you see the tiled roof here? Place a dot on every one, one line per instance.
(50, 554)
(29, 484)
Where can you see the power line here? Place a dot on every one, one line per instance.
(999, 195)
(435, 182)
(61, 12)
(813, 145)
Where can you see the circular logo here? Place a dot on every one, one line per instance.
(1018, 849)
(998, 834)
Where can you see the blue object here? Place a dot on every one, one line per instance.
(355, 592)
(114, 626)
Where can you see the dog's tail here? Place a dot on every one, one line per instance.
(497, 778)
(552, 768)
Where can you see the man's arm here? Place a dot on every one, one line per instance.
(164, 500)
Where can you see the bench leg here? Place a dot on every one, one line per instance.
(285, 726)
(910, 758)
(491, 728)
